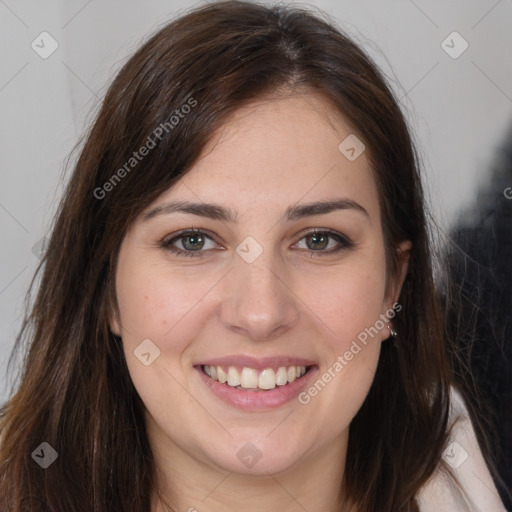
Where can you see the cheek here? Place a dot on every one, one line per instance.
(154, 301)
(349, 308)
(347, 302)
(158, 305)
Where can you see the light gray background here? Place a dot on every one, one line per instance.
(459, 108)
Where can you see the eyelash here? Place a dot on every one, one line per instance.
(345, 242)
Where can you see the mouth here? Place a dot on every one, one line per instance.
(256, 385)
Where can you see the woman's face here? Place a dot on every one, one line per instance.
(254, 294)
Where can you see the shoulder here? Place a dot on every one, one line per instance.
(465, 458)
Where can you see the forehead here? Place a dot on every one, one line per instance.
(277, 152)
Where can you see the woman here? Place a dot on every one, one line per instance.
(243, 234)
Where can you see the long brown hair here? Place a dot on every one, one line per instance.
(75, 392)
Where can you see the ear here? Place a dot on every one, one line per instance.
(404, 254)
(397, 281)
(115, 326)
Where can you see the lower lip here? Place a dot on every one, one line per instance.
(257, 400)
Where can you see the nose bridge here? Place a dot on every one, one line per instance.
(256, 300)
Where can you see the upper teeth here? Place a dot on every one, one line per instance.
(250, 378)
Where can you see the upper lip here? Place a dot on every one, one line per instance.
(258, 363)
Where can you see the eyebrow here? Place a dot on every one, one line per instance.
(216, 212)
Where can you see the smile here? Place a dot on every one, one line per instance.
(245, 378)
(256, 384)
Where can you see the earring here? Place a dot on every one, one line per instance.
(394, 334)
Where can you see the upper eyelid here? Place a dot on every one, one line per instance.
(194, 231)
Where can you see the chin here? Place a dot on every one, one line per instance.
(256, 459)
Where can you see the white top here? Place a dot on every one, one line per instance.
(465, 458)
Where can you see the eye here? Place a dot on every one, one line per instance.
(191, 242)
(317, 240)
(194, 242)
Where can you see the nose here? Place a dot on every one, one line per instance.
(257, 302)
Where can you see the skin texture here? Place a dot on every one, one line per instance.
(275, 153)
